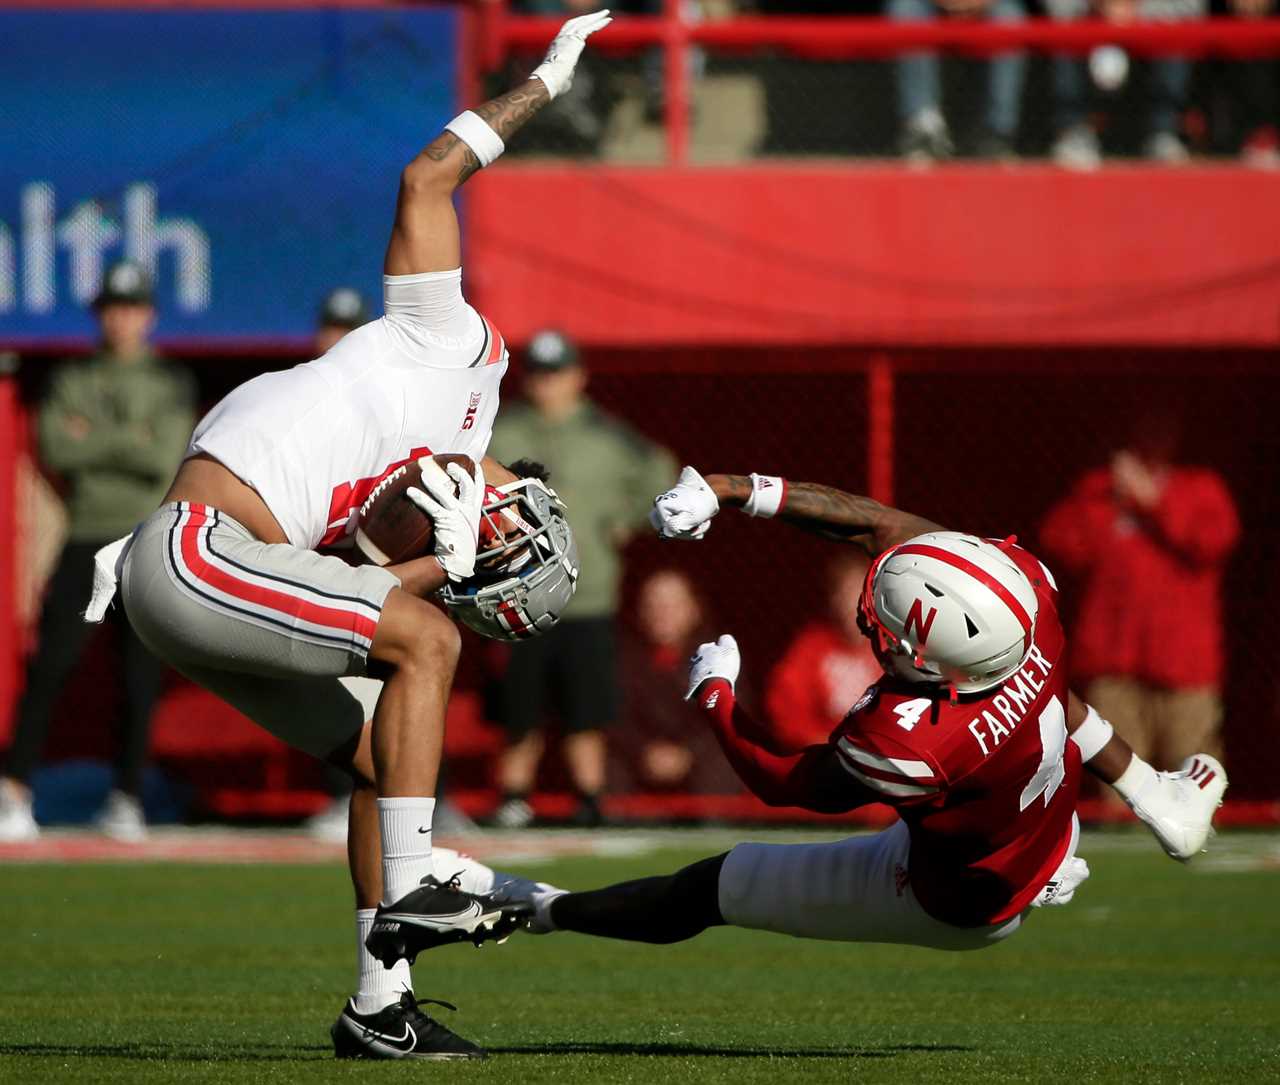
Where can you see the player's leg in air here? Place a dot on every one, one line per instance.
(225, 581)
(971, 735)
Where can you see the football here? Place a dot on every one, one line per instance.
(390, 528)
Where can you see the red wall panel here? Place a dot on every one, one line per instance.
(965, 255)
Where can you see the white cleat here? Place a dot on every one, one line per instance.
(121, 818)
(509, 891)
(17, 823)
(536, 895)
(1179, 806)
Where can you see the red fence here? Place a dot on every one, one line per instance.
(849, 38)
(812, 255)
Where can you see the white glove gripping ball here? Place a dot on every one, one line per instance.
(456, 517)
(556, 69)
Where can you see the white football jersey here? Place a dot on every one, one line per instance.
(314, 440)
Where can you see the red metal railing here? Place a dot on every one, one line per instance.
(839, 38)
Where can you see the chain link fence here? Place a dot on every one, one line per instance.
(984, 442)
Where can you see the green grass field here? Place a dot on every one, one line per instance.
(190, 973)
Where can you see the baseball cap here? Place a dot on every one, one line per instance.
(124, 283)
(344, 307)
(550, 350)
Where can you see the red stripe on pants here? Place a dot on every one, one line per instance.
(279, 601)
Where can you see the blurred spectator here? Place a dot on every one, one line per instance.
(343, 310)
(925, 135)
(1253, 85)
(607, 475)
(1076, 144)
(1150, 540)
(115, 428)
(665, 744)
(827, 667)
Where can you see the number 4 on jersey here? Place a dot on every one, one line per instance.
(1053, 740)
(909, 712)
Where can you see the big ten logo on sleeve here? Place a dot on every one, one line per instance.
(469, 419)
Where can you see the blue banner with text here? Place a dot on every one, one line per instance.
(249, 159)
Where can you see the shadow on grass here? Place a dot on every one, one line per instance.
(161, 1052)
(888, 1051)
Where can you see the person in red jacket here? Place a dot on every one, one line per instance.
(1149, 540)
(826, 668)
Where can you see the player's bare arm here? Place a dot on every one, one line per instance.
(1112, 758)
(686, 510)
(425, 236)
(830, 512)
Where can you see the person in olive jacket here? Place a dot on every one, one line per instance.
(114, 427)
(607, 474)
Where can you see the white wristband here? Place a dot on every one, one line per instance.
(767, 494)
(475, 133)
(1092, 735)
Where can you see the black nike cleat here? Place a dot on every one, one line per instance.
(435, 914)
(399, 1031)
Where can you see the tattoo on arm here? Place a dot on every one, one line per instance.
(851, 517)
(832, 513)
(506, 115)
(444, 145)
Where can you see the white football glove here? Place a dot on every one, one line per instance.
(718, 660)
(456, 517)
(1064, 883)
(556, 69)
(685, 511)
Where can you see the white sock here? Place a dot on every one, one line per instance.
(406, 844)
(376, 986)
(1135, 780)
(543, 898)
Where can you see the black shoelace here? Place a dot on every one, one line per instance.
(412, 1004)
(454, 882)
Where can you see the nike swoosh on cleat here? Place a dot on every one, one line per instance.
(399, 1044)
(436, 922)
(422, 830)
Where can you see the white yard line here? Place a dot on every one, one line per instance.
(1229, 851)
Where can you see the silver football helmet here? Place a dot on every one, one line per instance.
(526, 564)
(949, 608)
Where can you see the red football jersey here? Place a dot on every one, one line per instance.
(987, 786)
